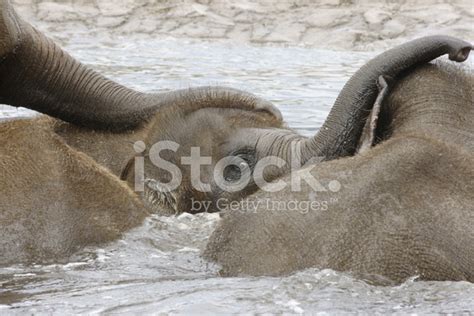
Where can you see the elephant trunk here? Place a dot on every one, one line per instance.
(341, 131)
(39, 75)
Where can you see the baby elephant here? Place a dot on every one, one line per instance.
(401, 206)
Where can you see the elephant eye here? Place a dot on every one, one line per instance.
(244, 163)
(233, 173)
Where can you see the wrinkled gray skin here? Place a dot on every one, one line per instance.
(78, 164)
(402, 208)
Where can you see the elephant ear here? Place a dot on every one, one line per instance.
(369, 132)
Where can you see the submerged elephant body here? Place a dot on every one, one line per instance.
(394, 188)
(51, 194)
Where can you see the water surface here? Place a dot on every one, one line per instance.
(157, 267)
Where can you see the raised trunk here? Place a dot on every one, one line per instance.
(341, 131)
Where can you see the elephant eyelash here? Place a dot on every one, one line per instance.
(158, 197)
(243, 152)
(247, 154)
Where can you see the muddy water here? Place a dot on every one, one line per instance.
(157, 268)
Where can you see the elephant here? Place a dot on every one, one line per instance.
(400, 207)
(70, 168)
(78, 168)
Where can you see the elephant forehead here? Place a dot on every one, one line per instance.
(214, 131)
